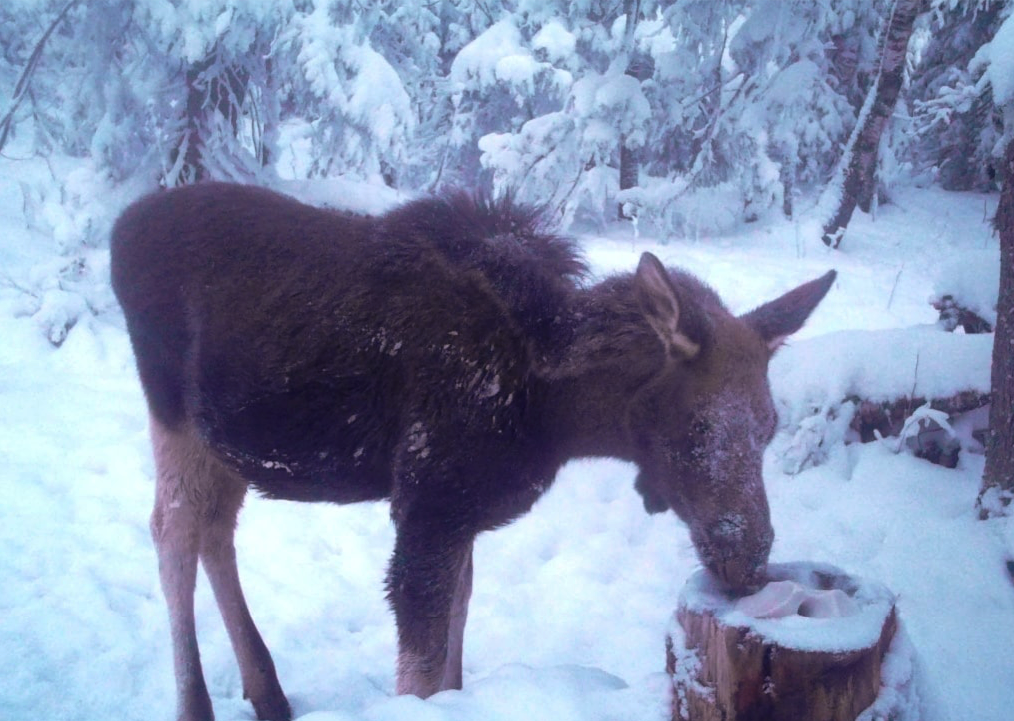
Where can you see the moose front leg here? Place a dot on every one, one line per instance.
(429, 584)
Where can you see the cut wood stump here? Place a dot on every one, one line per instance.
(816, 655)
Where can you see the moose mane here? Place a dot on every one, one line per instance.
(534, 271)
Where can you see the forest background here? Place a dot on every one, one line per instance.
(692, 116)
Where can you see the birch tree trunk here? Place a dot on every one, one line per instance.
(858, 165)
(998, 477)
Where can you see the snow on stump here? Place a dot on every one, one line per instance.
(808, 646)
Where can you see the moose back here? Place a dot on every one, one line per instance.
(446, 356)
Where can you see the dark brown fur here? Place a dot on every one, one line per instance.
(443, 356)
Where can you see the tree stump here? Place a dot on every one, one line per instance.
(727, 665)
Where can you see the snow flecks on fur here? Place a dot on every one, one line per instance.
(731, 528)
(277, 466)
(418, 440)
(734, 439)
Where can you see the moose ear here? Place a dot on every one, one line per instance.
(777, 320)
(661, 307)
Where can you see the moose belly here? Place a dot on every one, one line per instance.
(314, 445)
(309, 478)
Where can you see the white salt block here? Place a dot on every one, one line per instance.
(776, 600)
(828, 604)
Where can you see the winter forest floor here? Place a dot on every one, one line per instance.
(571, 603)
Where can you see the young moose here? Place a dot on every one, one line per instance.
(443, 356)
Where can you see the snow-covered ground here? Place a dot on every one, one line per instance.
(571, 603)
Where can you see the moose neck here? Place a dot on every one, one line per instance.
(584, 416)
(586, 390)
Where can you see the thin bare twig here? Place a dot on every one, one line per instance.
(7, 280)
(897, 278)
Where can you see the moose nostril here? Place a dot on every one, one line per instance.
(735, 576)
(756, 579)
(743, 576)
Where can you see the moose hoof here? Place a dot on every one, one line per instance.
(271, 706)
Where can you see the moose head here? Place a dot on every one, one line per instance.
(700, 425)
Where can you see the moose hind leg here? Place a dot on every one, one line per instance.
(175, 529)
(218, 556)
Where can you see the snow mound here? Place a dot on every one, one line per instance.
(877, 365)
(972, 280)
(345, 194)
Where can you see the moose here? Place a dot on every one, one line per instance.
(450, 356)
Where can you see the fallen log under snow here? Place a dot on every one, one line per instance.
(861, 385)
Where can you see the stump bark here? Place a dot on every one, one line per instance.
(727, 666)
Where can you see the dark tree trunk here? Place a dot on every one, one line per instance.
(193, 165)
(640, 67)
(213, 87)
(630, 169)
(860, 161)
(629, 166)
(998, 476)
(787, 174)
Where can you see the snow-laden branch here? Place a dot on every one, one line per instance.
(21, 87)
